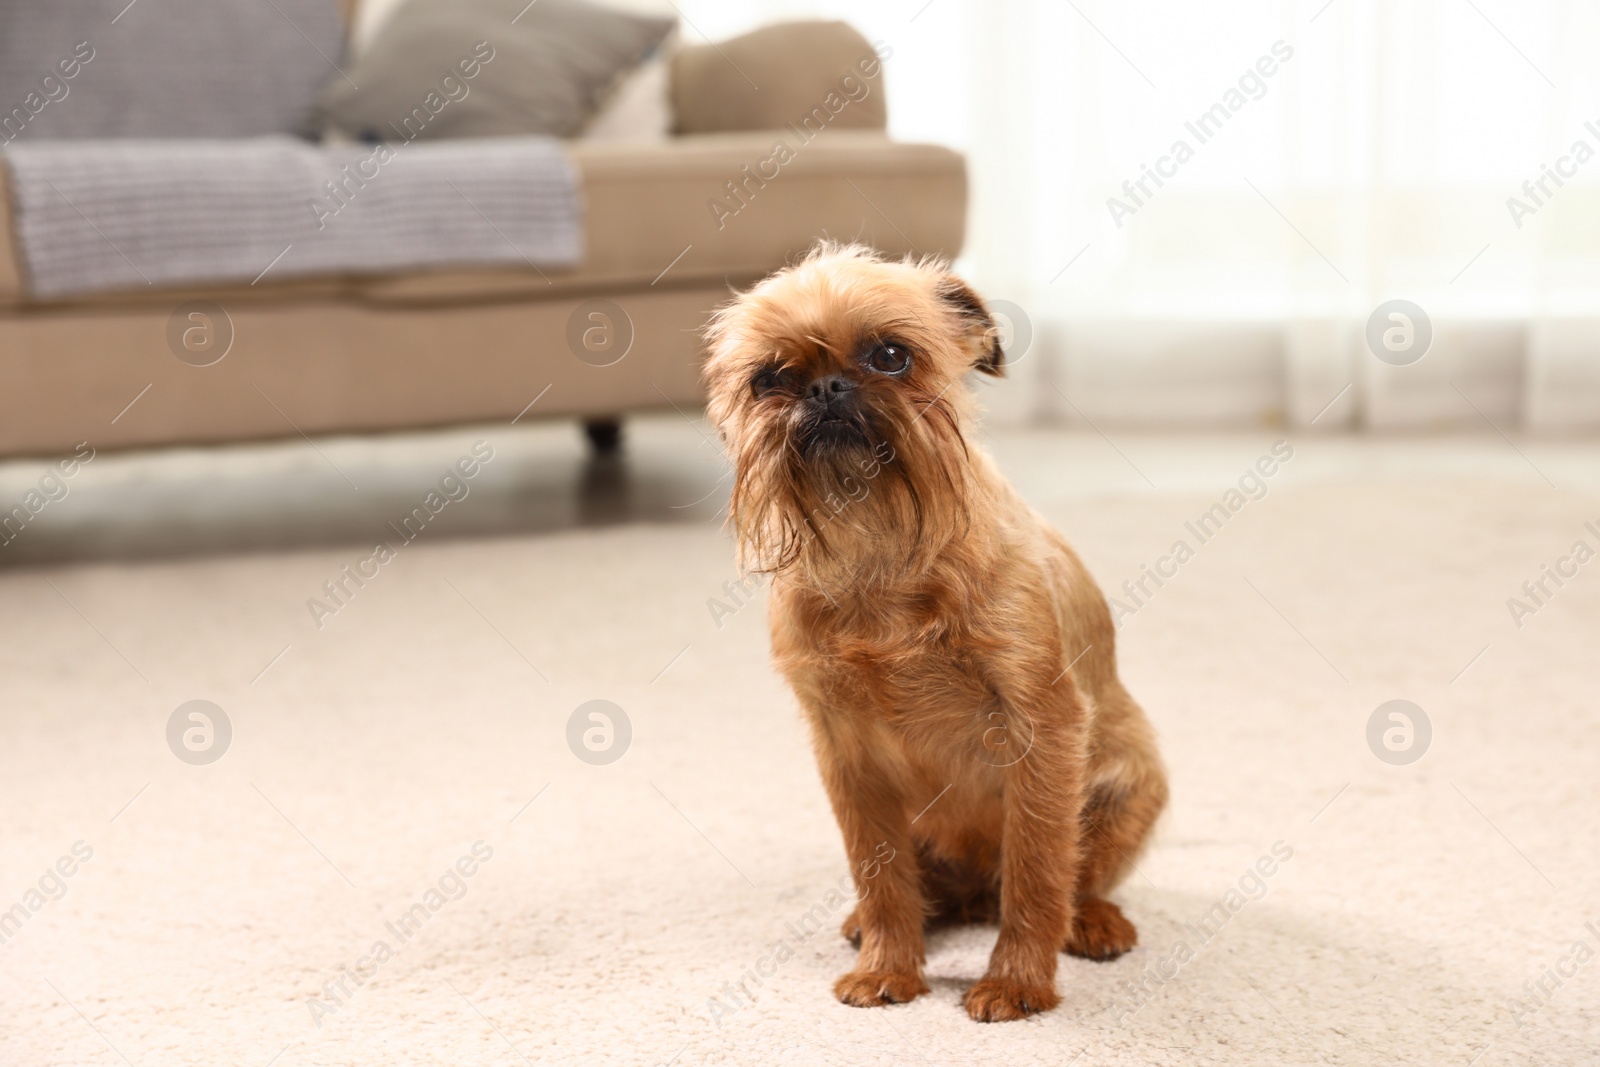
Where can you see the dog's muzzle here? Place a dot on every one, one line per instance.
(832, 418)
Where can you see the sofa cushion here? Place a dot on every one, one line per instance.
(486, 68)
(800, 73)
(163, 68)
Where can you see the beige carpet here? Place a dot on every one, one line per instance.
(219, 902)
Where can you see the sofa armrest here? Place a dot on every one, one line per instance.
(813, 74)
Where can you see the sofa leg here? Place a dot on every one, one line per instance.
(605, 435)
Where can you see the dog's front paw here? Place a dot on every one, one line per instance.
(996, 1000)
(872, 989)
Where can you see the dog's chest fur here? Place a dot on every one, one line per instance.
(891, 651)
(900, 686)
(906, 675)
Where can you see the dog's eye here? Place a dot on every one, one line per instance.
(766, 381)
(889, 359)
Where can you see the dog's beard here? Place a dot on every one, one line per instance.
(862, 497)
(832, 438)
(823, 442)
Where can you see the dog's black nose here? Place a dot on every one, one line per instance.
(826, 390)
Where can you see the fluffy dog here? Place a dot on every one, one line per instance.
(955, 660)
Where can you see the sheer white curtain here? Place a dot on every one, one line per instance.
(1334, 156)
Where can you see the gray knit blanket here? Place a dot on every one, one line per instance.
(98, 215)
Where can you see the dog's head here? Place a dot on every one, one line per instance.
(838, 387)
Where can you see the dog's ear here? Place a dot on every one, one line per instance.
(983, 335)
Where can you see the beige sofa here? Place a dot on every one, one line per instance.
(391, 352)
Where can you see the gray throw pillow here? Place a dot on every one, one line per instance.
(487, 68)
(163, 68)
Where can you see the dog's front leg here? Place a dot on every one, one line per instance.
(877, 838)
(1042, 798)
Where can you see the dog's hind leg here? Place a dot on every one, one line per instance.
(1115, 827)
(1128, 789)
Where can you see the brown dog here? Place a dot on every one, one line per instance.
(954, 658)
